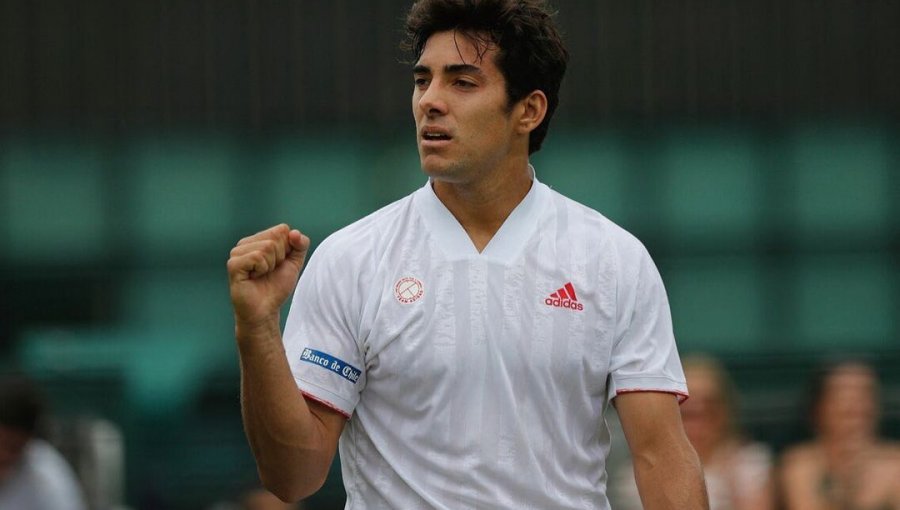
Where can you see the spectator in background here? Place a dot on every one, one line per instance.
(846, 466)
(33, 475)
(738, 472)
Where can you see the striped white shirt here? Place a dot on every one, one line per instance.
(479, 380)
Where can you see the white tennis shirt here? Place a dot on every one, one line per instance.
(479, 380)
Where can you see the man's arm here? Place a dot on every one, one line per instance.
(292, 439)
(666, 467)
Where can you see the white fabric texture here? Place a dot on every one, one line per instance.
(474, 380)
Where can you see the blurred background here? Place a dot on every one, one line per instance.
(753, 145)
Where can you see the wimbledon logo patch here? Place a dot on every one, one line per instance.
(408, 290)
(339, 367)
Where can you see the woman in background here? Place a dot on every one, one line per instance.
(738, 472)
(846, 466)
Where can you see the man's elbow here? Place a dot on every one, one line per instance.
(292, 490)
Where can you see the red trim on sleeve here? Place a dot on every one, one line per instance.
(679, 394)
(325, 403)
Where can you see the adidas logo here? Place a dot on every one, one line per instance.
(565, 298)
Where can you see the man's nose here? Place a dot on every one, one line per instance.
(432, 102)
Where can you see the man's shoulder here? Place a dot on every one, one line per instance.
(367, 233)
(597, 225)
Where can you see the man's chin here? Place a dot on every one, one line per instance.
(437, 168)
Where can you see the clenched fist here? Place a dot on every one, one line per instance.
(262, 271)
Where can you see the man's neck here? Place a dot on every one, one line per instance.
(483, 205)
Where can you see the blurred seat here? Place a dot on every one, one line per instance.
(55, 201)
(711, 189)
(397, 171)
(718, 304)
(592, 168)
(148, 380)
(844, 302)
(839, 184)
(192, 298)
(181, 193)
(160, 370)
(317, 183)
(194, 307)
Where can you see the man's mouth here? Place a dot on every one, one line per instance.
(435, 135)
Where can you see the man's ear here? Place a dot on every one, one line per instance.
(532, 109)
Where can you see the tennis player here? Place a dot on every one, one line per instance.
(463, 344)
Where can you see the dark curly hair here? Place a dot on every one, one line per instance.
(531, 55)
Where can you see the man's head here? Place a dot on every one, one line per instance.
(20, 411)
(529, 50)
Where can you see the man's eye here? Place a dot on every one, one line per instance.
(464, 84)
(421, 82)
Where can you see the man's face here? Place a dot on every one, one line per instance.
(12, 448)
(463, 124)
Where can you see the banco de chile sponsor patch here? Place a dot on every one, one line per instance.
(324, 360)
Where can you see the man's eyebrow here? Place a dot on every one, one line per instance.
(449, 69)
(462, 68)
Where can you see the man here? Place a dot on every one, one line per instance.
(464, 342)
(33, 475)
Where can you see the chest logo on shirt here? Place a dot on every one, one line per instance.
(565, 297)
(408, 290)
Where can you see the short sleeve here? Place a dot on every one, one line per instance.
(321, 332)
(644, 356)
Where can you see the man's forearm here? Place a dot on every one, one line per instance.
(286, 440)
(674, 481)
